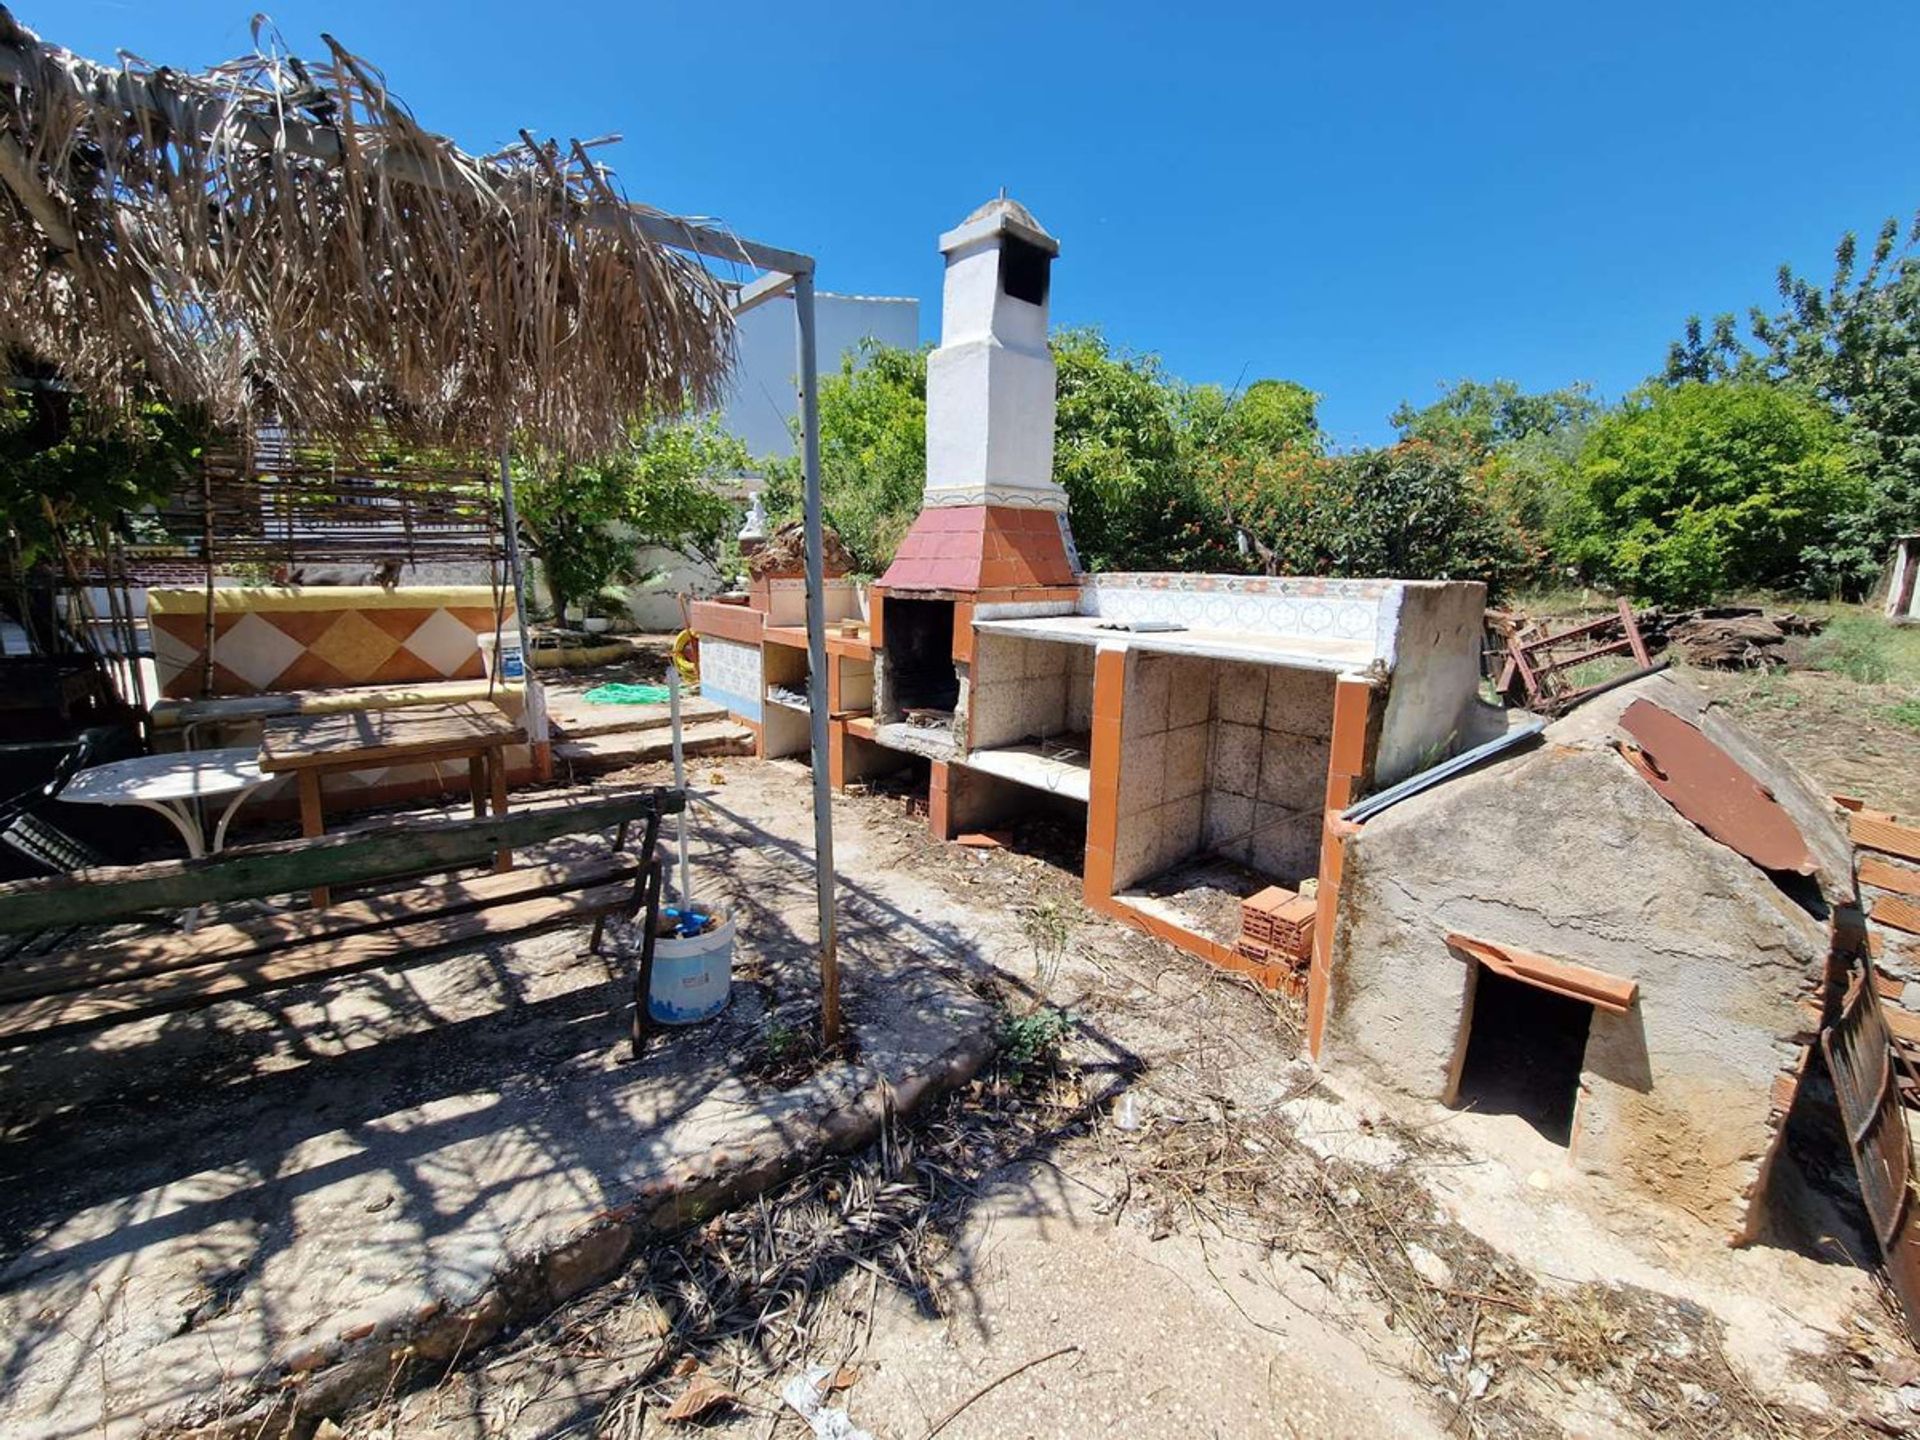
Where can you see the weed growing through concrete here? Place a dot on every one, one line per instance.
(1030, 1043)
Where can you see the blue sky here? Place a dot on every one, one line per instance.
(1366, 198)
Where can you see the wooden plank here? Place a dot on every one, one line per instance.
(246, 873)
(54, 1015)
(1563, 977)
(384, 737)
(1898, 912)
(1901, 840)
(1877, 872)
(1901, 1024)
(151, 954)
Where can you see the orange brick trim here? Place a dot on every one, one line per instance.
(1334, 835)
(727, 622)
(963, 632)
(1271, 977)
(1103, 802)
(939, 807)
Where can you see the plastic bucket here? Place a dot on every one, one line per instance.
(692, 977)
(512, 664)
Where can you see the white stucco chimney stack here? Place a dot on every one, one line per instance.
(990, 384)
(992, 516)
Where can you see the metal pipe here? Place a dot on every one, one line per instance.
(817, 717)
(534, 715)
(510, 518)
(679, 783)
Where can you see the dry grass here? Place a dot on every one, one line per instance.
(289, 242)
(1505, 1354)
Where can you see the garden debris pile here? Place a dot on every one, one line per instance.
(1727, 637)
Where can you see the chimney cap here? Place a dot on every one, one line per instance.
(999, 216)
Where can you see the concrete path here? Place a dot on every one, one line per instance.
(194, 1207)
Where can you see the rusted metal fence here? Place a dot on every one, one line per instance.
(1860, 1057)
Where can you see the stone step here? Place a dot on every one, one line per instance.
(574, 720)
(616, 751)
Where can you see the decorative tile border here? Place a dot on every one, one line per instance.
(278, 640)
(1316, 609)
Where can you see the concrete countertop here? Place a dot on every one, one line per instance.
(1299, 651)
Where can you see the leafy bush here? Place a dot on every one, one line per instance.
(873, 453)
(1030, 1044)
(587, 522)
(1416, 509)
(59, 474)
(1122, 452)
(1688, 491)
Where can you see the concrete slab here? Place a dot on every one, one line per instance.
(196, 1207)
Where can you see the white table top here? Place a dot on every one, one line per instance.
(188, 775)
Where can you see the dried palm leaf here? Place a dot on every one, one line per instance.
(278, 236)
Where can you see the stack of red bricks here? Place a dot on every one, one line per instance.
(1276, 928)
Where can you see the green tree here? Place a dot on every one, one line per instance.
(1486, 416)
(1415, 509)
(1693, 489)
(1267, 418)
(61, 476)
(587, 522)
(1855, 344)
(873, 452)
(1122, 454)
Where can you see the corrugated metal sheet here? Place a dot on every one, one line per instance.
(1713, 790)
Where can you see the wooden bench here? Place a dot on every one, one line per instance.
(68, 991)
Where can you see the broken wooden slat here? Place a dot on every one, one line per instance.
(1563, 977)
(1901, 1024)
(122, 1000)
(1878, 873)
(1887, 835)
(95, 896)
(1899, 912)
(152, 954)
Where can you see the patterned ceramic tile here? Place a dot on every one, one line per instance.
(256, 650)
(730, 674)
(321, 645)
(354, 645)
(443, 642)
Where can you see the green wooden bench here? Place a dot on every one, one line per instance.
(72, 990)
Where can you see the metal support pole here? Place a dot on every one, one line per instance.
(680, 783)
(510, 518)
(817, 717)
(535, 716)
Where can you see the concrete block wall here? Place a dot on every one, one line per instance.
(1165, 731)
(1020, 689)
(1564, 850)
(1267, 772)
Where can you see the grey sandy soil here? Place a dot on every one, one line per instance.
(1187, 1231)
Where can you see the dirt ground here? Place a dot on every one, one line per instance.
(1836, 730)
(1153, 1215)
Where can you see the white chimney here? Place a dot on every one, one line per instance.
(990, 383)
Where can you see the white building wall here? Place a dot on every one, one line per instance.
(761, 403)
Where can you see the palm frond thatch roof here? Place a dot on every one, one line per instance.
(278, 236)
